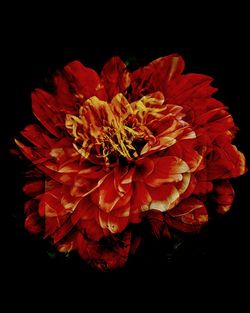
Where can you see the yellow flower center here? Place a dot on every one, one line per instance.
(114, 129)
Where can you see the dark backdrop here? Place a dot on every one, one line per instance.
(219, 254)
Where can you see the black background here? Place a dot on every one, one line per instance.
(218, 256)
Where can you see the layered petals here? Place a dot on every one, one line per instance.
(118, 149)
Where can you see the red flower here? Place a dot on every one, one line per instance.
(121, 148)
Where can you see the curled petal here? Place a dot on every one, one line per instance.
(115, 77)
(223, 195)
(188, 216)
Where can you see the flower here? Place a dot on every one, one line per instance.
(119, 149)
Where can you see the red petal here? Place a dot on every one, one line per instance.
(51, 120)
(188, 216)
(140, 197)
(33, 223)
(166, 169)
(34, 188)
(34, 134)
(225, 161)
(84, 80)
(188, 87)
(223, 195)
(112, 223)
(107, 256)
(157, 74)
(108, 196)
(156, 221)
(115, 77)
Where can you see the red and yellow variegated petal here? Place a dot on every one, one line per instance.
(187, 186)
(140, 198)
(112, 223)
(223, 195)
(188, 216)
(115, 77)
(53, 121)
(163, 197)
(157, 74)
(166, 169)
(77, 208)
(185, 151)
(84, 81)
(123, 177)
(53, 210)
(108, 196)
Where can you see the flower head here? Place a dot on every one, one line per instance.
(114, 150)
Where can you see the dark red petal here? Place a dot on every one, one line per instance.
(143, 168)
(188, 87)
(188, 216)
(33, 223)
(34, 134)
(223, 195)
(51, 120)
(90, 229)
(115, 77)
(225, 161)
(111, 254)
(156, 75)
(34, 188)
(156, 221)
(84, 80)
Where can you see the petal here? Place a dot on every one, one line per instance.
(84, 81)
(33, 223)
(189, 86)
(110, 254)
(144, 167)
(188, 216)
(51, 120)
(156, 221)
(34, 188)
(115, 77)
(157, 74)
(112, 223)
(223, 195)
(34, 134)
(163, 197)
(225, 161)
(166, 169)
(141, 197)
(108, 196)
